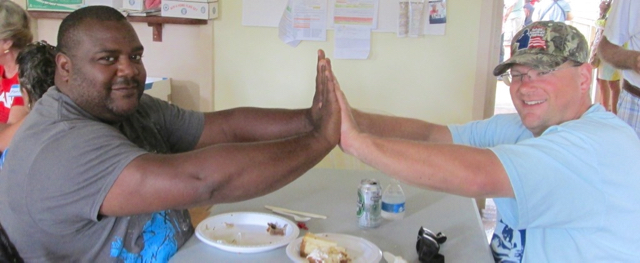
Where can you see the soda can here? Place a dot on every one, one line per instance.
(369, 198)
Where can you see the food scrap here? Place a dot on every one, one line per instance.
(228, 225)
(274, 230)
(302, 225)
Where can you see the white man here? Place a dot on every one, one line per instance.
(563, 172)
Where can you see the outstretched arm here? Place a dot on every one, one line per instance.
(430, 163)
(228, 172)
(258, 124)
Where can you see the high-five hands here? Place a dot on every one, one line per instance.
(325, 110)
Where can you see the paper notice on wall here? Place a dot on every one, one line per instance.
(358, 12)
(352, 42)
(286, 32)
(436, 24)
(307, 20)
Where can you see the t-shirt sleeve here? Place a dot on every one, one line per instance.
(546, 175)
(181, 128)
(489, 132)
(94, 154)
(622, 22)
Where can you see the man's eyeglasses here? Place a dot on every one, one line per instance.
(532, 74)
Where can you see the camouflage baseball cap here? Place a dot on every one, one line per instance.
(545, 45)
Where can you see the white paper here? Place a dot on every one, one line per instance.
(356, 12)
(269, 12)
(437, 17)
(309, 19)
(286, 33)
(352, 42)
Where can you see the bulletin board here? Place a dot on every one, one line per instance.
(267, 13)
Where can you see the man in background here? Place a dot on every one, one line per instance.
(100, 172)
(623, 26)
(552, 10)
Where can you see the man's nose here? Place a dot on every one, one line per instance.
(127, 68)
(526, 85)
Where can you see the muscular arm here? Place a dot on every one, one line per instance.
(253, 124)
(217, 174)
(618, 56)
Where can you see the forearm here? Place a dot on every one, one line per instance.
(401, 128)
(253, 124)
(618, 56)
(250, 170)
(455, 169)
(218, 174)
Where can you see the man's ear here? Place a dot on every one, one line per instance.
(63, 68)
(585, 71)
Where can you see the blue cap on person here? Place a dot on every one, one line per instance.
(545, 45)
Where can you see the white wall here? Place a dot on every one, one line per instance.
(432, 78)
(443, 79)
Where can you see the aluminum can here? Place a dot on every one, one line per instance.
(369, 203)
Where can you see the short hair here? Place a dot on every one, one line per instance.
(14, 24)
(67, 33)
(37, 64)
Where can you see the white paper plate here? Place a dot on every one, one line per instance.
(245, 232)
(359, 249)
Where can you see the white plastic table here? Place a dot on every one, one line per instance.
(333, 193)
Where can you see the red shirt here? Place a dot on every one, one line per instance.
(7, 101)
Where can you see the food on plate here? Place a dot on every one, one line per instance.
(320, 250)
(274, 230)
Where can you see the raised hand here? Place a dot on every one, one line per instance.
(317, 98)
(325, 111)
(349, 127)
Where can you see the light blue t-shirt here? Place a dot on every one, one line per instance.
(577, 187)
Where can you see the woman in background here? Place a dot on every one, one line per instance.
(37, 64)
(15, 34)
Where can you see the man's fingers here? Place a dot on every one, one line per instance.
(320, 54)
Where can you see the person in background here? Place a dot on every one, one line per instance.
(608, 78)
(552, 10)
(15, 34)
(100, 172)
(528, 12)
(37, 63)
(512, 21)
(623, 26)
(553, 169)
